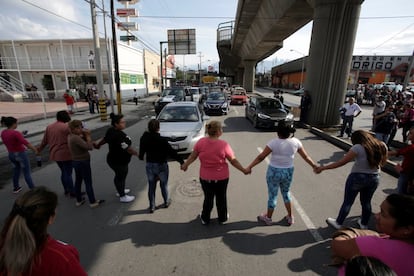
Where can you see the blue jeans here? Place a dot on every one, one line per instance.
(155, 171)
(20, 161)
(83, 173)
(347, 125)
(382, 137)
(66, 176)
(365, 184)
(275, 178)
(402, 183)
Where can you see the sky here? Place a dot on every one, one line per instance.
(385, 27)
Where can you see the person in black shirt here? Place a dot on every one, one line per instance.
(119, 154)
(157, 150)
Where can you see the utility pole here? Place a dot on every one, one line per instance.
(102, 104)
(199, 69)
(115, 49)
(108, 61)
(161, 61)
(407, 75)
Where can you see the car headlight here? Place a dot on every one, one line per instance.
(224, 105)
(198, 133)
(263, 116)
(289, 116)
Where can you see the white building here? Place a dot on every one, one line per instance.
(52, 66)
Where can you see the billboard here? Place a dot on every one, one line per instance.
(127, 26)
(126, 12)
(181, 42)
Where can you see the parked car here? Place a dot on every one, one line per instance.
(299, 92)
(169, 95)
(182, 123)
(238, 96)
(216, 103)
(267, 112)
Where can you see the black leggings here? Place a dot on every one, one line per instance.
(121, 172)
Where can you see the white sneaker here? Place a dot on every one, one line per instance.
(362, 226)
(332, 222)
(126, 198)
(125, 191)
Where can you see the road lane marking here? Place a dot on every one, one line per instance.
(309, 224)
(114, 220)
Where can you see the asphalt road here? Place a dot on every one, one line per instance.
(124, 239)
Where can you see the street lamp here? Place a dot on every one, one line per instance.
(303, 65)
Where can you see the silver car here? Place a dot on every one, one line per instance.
(182, 123)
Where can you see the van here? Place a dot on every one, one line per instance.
(389, 84)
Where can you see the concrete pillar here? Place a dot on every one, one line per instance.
(332, 43)
(249, 74)
(238, 76)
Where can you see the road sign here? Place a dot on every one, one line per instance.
(128, 38)
(128, 26)
(127, 12)
(181, 42)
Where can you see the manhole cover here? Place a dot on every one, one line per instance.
(190, 188)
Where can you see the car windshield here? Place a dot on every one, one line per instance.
(216, 96)
(269, 104)
(194, 91)
(179, 114)
(239, 92)
(176, 92)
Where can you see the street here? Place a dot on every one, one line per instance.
(124, 239)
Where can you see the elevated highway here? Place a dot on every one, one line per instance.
(259, 29)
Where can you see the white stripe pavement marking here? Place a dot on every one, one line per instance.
(309, 224)
(116, 217)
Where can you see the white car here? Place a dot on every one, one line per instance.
(182, 123)
(195, 94)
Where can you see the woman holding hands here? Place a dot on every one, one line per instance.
(214, 170)
(369, 154)
(280, 171)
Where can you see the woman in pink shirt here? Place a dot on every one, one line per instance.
(214, 170)
(16, 145)
(395, 247)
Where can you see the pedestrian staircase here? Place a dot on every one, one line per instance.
(11, 89)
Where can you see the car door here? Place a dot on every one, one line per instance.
(251, 108)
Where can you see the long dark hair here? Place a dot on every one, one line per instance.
(375, 149)
(401, 209)
(284, 129)
(25, 230)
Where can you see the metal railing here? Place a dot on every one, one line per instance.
(11, 85)
(225, 31)
(44, 63)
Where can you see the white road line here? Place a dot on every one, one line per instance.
(114, 220)
(309, 224)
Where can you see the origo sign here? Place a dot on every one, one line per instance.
(377, 63)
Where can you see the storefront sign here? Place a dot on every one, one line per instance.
(373, 63)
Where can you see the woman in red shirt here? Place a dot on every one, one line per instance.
(16, 146)
(25, 235)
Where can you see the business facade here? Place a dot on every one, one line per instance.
(52, 66)
(364, 70)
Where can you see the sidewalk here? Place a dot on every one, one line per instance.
(35, 117)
